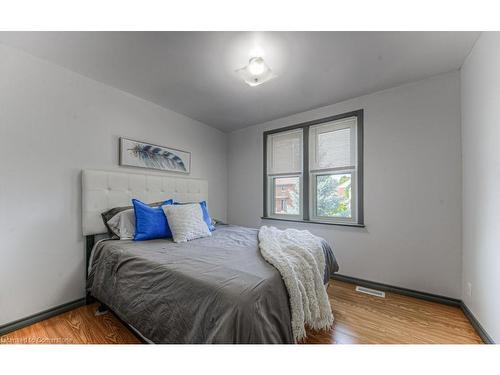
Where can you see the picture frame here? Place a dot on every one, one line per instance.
(140, 154)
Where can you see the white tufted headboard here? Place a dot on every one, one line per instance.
(102, 190)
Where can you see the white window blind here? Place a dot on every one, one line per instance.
(285, 152)
(333, 144)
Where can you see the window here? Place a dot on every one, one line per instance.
(286, 195)
(313, 171)
(332, 170)
(284, 174)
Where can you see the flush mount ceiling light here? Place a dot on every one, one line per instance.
(256, 72)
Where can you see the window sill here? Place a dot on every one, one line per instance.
(314, 222)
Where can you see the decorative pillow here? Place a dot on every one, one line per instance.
(206, 215)
(123, 224)
(106, 216)
(217, 222)
(186, 222)
(150, 222)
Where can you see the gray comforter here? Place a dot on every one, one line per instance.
(217, 289)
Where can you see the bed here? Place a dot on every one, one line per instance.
(217, 289)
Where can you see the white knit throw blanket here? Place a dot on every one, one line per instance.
(298, 256)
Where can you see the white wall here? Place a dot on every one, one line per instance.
(480, 77)
(53, 123)
(412, 186)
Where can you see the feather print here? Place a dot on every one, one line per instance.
(155, 157)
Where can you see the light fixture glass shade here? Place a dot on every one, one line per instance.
(256, 72)
(256, 66)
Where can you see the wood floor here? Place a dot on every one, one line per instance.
(359, 319)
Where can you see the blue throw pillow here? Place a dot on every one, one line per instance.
(206, 216)
(150, 222)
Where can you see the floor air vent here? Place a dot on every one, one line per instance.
(371, 292)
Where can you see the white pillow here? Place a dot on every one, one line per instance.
(123, 224)
(186, 222)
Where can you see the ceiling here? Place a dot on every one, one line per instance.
(193, 72)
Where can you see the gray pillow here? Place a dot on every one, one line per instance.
(106, 216)
(123, 224)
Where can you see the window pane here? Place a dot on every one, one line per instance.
(334, 148)
(333, 195)
(285, 152)
(286, 195)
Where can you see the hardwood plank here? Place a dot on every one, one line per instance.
(359, 319)
(79, 326)
(395, 319)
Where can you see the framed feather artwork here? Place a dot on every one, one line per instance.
(147, 155)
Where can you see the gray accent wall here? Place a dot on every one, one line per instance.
(53, 124)
(480, 76)
(412, 186)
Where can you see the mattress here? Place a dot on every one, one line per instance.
(217, 289)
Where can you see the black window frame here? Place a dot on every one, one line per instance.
(359, 114)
